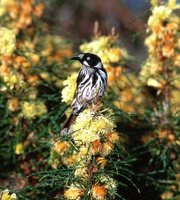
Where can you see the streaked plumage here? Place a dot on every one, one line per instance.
(91, 84)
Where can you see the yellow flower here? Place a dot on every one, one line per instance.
(177, 60)
(89, 126)
(113, 137)
(82, 172)
(102, 162)
(99, 192)
(98, 46)
(13, 104)
(173, 4)
(12, 79)
(69, 89)
(154, 2)
(7, 41)
(19, 149)
(151, 42)
(159, 14)
(107, 148)
(31, 110)
(166, 195)
(3, 6)
(7, 196)
(109, 182)
(85, 153)
(40, 108)
(71, 159)
(94, 46)
(168, 50)
(114, 54)
(54, 163)
(61, 147)
(96, 147)
(73, 193)
(175, 96)
(45, 76)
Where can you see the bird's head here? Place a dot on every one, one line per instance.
(89, 60)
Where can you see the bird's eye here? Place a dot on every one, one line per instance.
(88, 58)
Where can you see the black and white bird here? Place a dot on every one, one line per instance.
(91, 85)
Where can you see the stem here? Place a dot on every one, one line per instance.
(166, 94)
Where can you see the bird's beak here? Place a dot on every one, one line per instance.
(79, 57)
(75, 58)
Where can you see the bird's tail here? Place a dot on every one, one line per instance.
(67, 124)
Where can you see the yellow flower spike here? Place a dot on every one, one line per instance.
(40, 108)
(30, 110)
(102, 162)
(96, 147)
(69, 89)
(19, 149)
(13, 104)
(113, 137)
(154, 3)
(99, 192)
(172, 4)
(89, 126)
(167, 195)
(82, 172)
(3, 6)
(110, 184)
(7, 41)
(94, 46)
(5, 195)
(38, 9)
(159, 14)
(12, 79)
(73, 193)
(45, 76)
(13, 196)
(61, 147)
(70, 160)
(85, 152)
(107, 148)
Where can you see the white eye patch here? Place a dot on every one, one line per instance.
(81, 56)
(88, 58)
(85, 63)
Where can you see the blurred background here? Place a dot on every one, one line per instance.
(79, 20)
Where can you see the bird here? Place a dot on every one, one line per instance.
(91, 86)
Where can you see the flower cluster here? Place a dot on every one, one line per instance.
(104, 46)
(163, 48)
(93, 140)
(29, 60)
(89, 127)
(7, 41)
(21, 13)
(32, 109)
(69, 89)
(160, 72)
(21, 56)
(5, 195)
